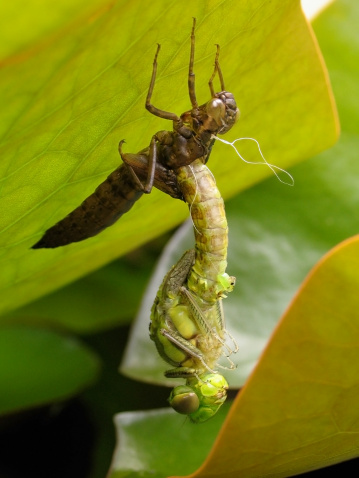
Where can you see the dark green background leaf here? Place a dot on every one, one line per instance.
(39, 367)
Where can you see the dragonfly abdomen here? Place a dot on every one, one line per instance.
(207, 278)
(112, 198)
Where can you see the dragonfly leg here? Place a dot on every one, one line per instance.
(197, 313)
(233, 340)
(217, 69)
(222, 323)
(134, 176)
(232, 365)
(186, 346)
(181, 372)
(177, 276)
(147, 186)
(191, 75)
(152, 109)
(205, 327)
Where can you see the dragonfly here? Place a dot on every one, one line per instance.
(190, 338)
(187, 320)
(155, 165)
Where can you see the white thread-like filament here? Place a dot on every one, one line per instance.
(194, 197)
(271, 166)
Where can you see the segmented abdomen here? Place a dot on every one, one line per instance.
(207, 279)
(112, 198)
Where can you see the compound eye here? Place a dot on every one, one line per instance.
(184, 400)
(217, 110)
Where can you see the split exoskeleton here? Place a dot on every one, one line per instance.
(187, 322)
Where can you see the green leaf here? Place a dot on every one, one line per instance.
(16, 15)
(92, 303)
(39, 366)
(69, 100)
(138, 455)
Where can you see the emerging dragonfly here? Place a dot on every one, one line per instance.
(189, 336)
(187, 322)
(187, 319)
(190, 139)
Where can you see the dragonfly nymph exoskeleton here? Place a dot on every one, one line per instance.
(155, 165)
(187, 321)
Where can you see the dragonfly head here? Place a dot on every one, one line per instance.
(201, 397)
(223, 110)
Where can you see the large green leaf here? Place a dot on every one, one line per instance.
(39, 367)
(69, 98)
(104, 298)
(25, 23)
(133, 455)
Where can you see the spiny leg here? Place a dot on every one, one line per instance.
(152, 109)
(234, 342)
(182, 372)
(191, 75)
(232, 365)
(147, 187)
(204, 326)
(217, 69)
(221, 321)
(183, 344)
(201, 320)
(221, 326)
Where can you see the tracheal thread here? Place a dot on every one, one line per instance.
(271, 166)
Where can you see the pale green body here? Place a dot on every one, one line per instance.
(187, 323)
(208, 278)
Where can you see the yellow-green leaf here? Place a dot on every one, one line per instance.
(67, 101)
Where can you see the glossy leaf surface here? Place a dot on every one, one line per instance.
(69, 98)
(38, 367)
